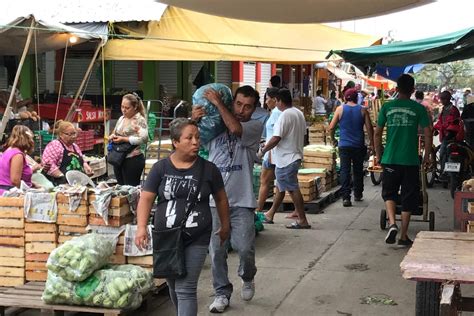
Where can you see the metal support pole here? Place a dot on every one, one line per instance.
(72, 109)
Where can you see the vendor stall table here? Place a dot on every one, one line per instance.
(440, 262)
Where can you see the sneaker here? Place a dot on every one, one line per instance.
(248, 290)
(346, 203)
(392, 234)
(406, 243)
(219, 305)
(358, 198)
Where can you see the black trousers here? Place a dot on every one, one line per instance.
(130, 172)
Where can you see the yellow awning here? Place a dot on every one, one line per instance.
(189, 35)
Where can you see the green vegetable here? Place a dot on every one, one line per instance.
(79, 257)
(120, 286)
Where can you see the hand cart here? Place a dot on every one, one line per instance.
(427, 216)
(440, 262)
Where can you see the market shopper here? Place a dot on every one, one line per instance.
(468, 119)
(175, 180)
(448, 126)
(319, 104)
(268, 167)
(351, 118)
(13, 165)
(63, 154)
(287, 143)
(332, 103)
(234, 152)
(400, 160)
(131, 128)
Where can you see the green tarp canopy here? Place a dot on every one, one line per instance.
(434, 50)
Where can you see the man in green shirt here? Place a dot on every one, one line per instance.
(400, 159)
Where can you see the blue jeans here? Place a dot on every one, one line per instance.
(183, 292)
(242, 240)
(352, 156)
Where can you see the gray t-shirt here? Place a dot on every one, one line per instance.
(234, 157)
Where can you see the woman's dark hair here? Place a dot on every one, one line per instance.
(419, 95)
(275, 81)
(177, 125)
(272, 92)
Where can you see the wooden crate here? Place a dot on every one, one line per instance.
(35, 227)
(470, 227)
(72, 220)
(61, 198)
(63, 209)
(114, 211)
(38, 247)
(118, 256)
(143, 261)
(12, 242)
(113, 221)
(115, 201)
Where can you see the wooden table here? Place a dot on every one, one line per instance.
(28, 296)
(440, 262)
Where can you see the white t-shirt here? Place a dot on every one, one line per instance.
(291, 127)
(318, 105)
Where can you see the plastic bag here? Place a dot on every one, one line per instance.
(120, 286)
(79, 257)
(211, 125)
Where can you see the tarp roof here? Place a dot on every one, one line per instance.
(83, 11)
(49, 35)
(188, 35)
(440, 49)
(296, 11)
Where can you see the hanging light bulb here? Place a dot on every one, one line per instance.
(73, 39)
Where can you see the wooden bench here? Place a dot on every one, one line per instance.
(440, 262)
(29, 296)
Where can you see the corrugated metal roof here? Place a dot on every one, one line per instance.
(83, 11)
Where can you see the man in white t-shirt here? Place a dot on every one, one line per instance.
(287, 152)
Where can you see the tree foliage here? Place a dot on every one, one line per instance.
(455, 75)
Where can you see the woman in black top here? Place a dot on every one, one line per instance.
(175, 181)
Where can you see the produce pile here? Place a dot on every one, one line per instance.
(78, 275)
(79, 257)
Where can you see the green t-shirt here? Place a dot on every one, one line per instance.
(402, 118)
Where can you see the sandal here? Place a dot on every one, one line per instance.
(295, 225)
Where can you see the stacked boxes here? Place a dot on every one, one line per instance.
(71, 223)
(118, 256)
(257, 170)
(308, 188)
(41, 239)
(159, 149)
(149, 163)
(317, 134)
(143, 261)
(324, 178)
(319, 156)
(119, 212)
(12, 242)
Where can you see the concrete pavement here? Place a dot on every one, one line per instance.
(329, 269)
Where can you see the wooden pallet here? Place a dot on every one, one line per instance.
(29, 296)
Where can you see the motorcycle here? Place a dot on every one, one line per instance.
(459, 164)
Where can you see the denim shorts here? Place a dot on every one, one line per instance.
(287, 177)
(266, 164)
